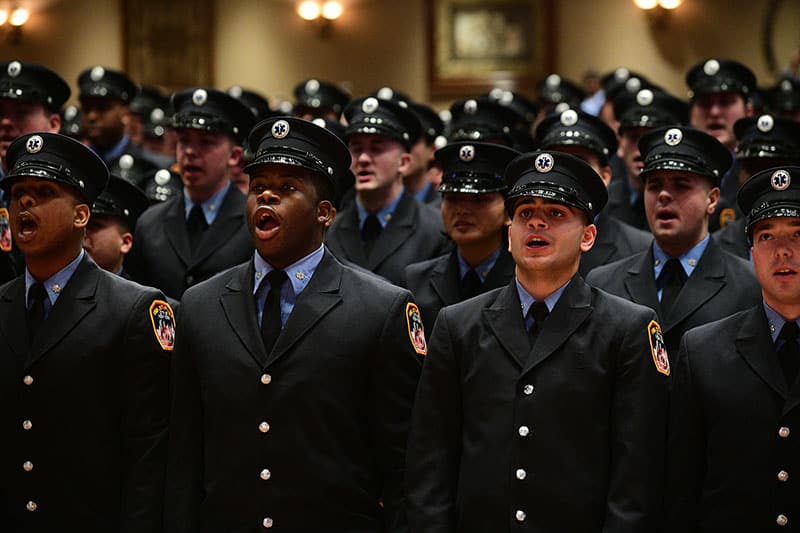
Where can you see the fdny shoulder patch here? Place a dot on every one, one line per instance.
(163, 320)
(416, 332)
(657, 348)
(5, 231)
(726, 216)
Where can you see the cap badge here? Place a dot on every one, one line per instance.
(621, 74)
(466, 153)
(199, 97)
(70, 112)
(781, 180)
(385, 93)
(312, 87)
(34, 144)
(553, 81)
(470, 107)
(280, 129)
(644, 97)
(162, 177)
(440, 142)
(506, 98)
(126, 162)
(544, 163)
(711, 67)
(370, 105)
(673, 137)
(319, 122)
(235, 91)
(765, 123)
(633, 85)
(14, 69)
(569, 117)
(97, 73)
(157, 115)
(786, 86)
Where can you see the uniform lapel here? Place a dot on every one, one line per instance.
(229, 219)
(501, 272)
(504, 318)
(572, 309)
(707, 280)
(640, 281)
(399, 229)
(445, 279)
(316, 300)
(604, 246)
(175, 229)
(348, 236)
(754, 344)
(13, 311)
(73, 304)
(239, 306)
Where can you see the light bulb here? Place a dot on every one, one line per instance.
(645, 4)
(308, 10)
(3, 16)
(670, 4)
(332, 10)
(19, 16)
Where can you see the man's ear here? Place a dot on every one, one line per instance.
(588, 237)
(326, 213)
(127, 242)
(235, 156)
(80, 216)
(405, 162)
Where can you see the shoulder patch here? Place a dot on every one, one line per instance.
(416, 332)
(5, 230)
(726, 216)
(657, 348)
(163, 320)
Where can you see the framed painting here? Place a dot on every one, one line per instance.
(479, 44)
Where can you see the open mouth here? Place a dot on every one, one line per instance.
(535, 242)
(785, 272)
(191, 169)
(26, 226)
(266, 222)
(364, 175)
(716, 126)
(666, 216)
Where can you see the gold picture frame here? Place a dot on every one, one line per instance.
(479, 44)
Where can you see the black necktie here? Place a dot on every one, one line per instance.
(37, 295)
(196, 225)
(271, 316)
(674, 273)
(789, 354)
(470, 284)
(538, 312)
(370, 231)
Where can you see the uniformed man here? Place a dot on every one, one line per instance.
(588, 137)
(84, 361)
(764, 142)
(719, 92)
(319, 98)
(526, 111)
(473, 211)
(385, 229)
(517, 420)
(31, 97)
(638, 113)
(200, 232)
(105, 96)
(299, 424)
(423, 176)
(147, 110)
(109, 234)
(734, 445)
(686, 277)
